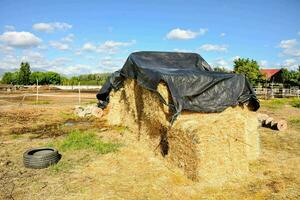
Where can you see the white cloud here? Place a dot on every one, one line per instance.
(109, 64)
(42, 47)
(235, 58)
(290, 63)
(9, 28)
(222, 63)
(212, 47)
(110, 47)
(182, 50)
(89, 47)
(222, 34)
(263, 63)
(9, 62)
(69, 38)
(295, 52)
(32, 56)
(51, 27)
(182, 34)
(59, 45)
(290, 47)
(72, 69)
(63, 44)
(78, 52)
(20, 39)
(5, 49)
(112, 44)
(287, 44)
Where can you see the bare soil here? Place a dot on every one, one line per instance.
(135, 171)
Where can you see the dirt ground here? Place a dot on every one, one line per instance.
(134, 171)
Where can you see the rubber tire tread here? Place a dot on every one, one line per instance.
(40, 161)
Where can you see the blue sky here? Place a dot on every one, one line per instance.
(75, 37)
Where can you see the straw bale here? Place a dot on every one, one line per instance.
(209, 147)
(214, 147)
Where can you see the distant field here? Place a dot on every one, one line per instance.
(105, 162)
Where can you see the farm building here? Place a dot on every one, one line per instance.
(272, 75)
(201, 121)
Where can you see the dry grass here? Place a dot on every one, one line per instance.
(136, 171)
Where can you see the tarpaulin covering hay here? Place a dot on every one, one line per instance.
(210, 147)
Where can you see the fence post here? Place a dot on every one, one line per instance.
(266, 92)
(37, 91)
(79, 95)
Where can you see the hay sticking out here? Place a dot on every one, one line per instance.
(207, 147)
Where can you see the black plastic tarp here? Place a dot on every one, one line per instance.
(193, 85)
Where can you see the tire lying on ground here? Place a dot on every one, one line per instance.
(38, 158)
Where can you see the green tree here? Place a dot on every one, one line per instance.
(24, 73)
(40, 76)
(291, 78)
(52, 78)
(45, 78)
(249, 68)
(74, 80)
(221, 69)
(10, 78)
(7, 78)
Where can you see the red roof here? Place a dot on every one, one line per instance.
(269, 72)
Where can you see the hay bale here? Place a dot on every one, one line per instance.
(207, 147)
(214, 147)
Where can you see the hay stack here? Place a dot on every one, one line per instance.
(214, 147)
(208, 147)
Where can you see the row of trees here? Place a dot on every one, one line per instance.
(291, 77)
(87, 79)
(25, 77)
(250, 69)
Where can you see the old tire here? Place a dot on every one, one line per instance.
(38, 158)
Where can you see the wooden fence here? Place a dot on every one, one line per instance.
(267, 93)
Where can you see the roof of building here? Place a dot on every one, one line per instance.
(269, 72)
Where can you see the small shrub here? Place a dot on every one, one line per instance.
(295, 103)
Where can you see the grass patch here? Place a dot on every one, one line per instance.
(77, 140)
(296, 104)
(278, 103)
(295, 121)
(91, 102)
(120, 128)
(16, 136)
(69, 116)
(60, 167)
